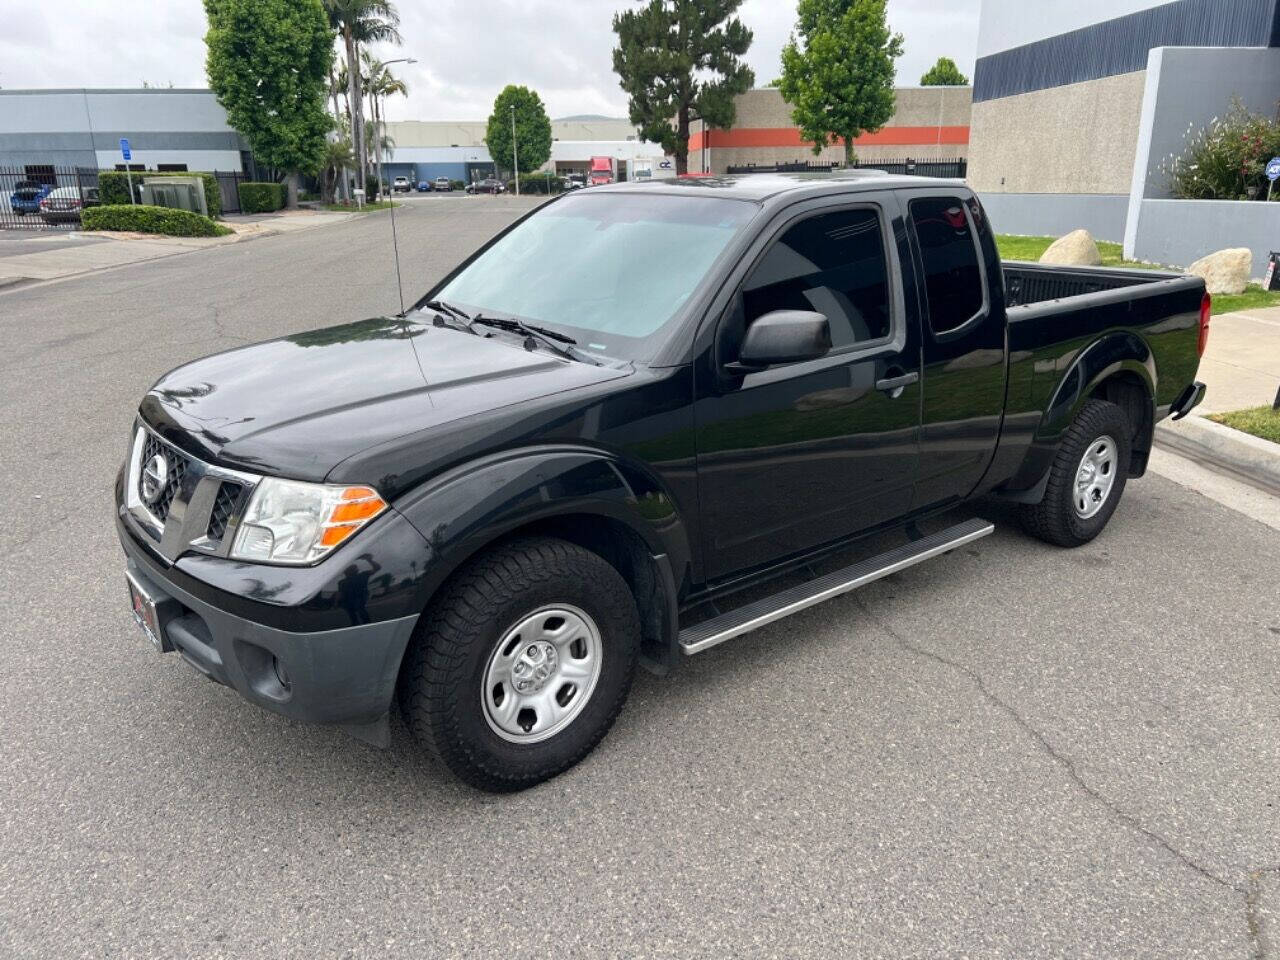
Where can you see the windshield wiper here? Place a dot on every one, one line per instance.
(445, 309)
(553, 340)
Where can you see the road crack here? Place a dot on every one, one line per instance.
(1068, 766)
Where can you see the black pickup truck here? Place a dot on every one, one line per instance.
(629, 406)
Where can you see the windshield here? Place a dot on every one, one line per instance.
(610, 270)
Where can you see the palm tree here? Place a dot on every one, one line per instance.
(381, 83)
(357, 22)
(337, 84)
(337, 157)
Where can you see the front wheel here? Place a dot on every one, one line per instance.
(521, 666)
(1086, 480)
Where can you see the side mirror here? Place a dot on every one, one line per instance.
(783, 336)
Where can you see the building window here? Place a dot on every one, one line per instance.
(41, 173)
(133, 167)
(171, 167)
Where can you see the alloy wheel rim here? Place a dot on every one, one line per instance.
(1095, 477)
(542, 673)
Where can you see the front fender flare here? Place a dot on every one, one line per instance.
(462, 511)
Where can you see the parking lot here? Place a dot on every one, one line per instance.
(1013, 751)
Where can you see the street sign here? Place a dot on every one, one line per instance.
(128, 167)
(1273, 170)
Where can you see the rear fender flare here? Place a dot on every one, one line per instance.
(1122, 352)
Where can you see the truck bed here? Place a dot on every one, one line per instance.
(1027, 283)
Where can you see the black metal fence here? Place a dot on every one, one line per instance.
(41, 196)
(951, 167)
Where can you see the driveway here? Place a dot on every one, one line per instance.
(1012, 751)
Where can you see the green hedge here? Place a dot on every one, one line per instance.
(261, 197)
(147, 219)
(537, 183)
(113, 187)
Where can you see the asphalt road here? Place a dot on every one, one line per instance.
(1013, 751)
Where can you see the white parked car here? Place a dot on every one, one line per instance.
(401, 185)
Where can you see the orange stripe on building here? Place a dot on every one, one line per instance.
(790, 137)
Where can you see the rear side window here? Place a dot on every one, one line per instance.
(833, 263)
(953, 279)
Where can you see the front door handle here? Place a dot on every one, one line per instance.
(895, 385)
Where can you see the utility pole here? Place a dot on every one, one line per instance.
(515, 152)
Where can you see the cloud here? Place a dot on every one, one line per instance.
(466, 52)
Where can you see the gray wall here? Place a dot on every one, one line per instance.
(1187, 87)
(1180, 232)
(1052, 215)
(84, 127)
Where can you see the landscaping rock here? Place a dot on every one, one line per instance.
(1226, 271)
(1076, 249)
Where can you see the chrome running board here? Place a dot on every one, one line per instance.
(757, 614)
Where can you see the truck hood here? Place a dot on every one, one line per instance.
(298, 406)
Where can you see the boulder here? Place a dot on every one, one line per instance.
(1226, 271)
(1076, 249)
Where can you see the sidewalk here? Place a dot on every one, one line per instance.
(1241, 366)
(78, 253)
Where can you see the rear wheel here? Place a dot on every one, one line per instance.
(523, 663)
(1087, 478)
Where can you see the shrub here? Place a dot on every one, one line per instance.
(537, 183)
(113, 187)
(1225, 159)
(256, 197)
(458, 184)
(147, 219)
(371, 190)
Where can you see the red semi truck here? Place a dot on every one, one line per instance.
(601, 171)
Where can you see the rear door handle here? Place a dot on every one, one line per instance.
(894, 385)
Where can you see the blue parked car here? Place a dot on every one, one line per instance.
(424, 186)
(27, 195)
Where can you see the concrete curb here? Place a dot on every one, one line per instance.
(1249, 457)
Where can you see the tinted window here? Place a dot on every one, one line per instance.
(953, 281)
(833, 263)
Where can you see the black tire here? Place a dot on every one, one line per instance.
(1055, 518)
(442, 679)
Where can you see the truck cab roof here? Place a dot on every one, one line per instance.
(759, 187)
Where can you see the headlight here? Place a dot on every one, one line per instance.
(288, 521)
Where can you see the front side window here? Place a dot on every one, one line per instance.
(834, 264)
(953, 279)
(612, 270)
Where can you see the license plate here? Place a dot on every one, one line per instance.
(143, 605)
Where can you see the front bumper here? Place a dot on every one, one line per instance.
(343, 676)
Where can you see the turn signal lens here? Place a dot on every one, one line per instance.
(297, 523)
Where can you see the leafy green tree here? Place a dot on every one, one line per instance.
(679, 60)
(838, 74)
(532, 133)
(268, 64)
(944, 73)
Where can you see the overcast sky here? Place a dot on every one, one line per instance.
(466, 51)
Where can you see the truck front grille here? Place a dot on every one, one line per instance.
(224, 505)
(175, 472)
(193, 505)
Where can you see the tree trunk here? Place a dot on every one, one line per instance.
(848, 151)
(377, 140)
(337, 121)
(356, 106)
(291, 191)
(682, 142)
